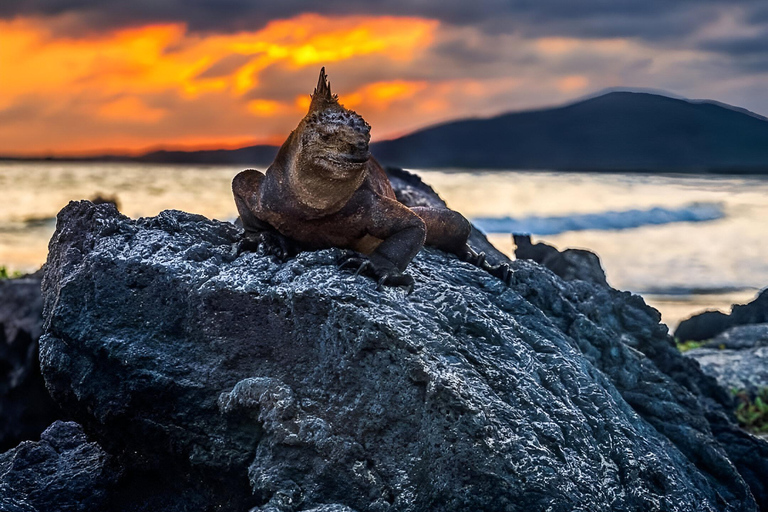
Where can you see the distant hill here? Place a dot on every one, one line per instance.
(251, 155)
(257, 156)
(625, 131)
(617, 131)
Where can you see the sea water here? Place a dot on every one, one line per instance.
(685, 242)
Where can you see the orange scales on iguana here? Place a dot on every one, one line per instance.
(324, 190)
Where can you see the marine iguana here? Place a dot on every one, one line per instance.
(324, 189)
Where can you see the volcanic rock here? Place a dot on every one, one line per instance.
(709, 324)
(741, 337)
(62, 472)
(570, 264)
(26, 409)
(243, 381)
(737, 358)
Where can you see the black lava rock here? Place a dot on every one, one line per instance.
(238, 382)
(570, 264)
(737, 358)
(709, 324)
(26, 409)
(63, 472)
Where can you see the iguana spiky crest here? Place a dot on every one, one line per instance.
(322, 96)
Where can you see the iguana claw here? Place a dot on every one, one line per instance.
(383, 276)
(361, 263)
(501, 271)
(478, 259)
(266, 242)
(396, 279)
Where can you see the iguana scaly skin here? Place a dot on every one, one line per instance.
(324, 189)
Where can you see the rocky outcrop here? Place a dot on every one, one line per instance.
(741, 337)
(26, 409)
(737, 358)
(709, 324)
(650, 338)
(63, 472)
(570, 264)
(217, 381)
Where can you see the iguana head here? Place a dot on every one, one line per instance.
(333, 140)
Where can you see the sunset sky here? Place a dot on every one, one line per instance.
(89, 77)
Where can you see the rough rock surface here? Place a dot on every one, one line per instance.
(709, 324)
(26, 409)
(737, 358)
(241, 382)
(741, 337)
(570, 264)
(63, 472)
(745, 369)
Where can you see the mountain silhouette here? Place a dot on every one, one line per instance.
(621, 131)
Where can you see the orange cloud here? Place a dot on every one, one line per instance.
(130, 109)
(165, 76)
(379, 95)
(555, 46)
(268, 108)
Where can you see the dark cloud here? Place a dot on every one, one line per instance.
(746, 53)
(662, 24)
(739, 46)
(650, 20)
(667, 23)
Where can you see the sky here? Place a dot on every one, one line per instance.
(84, 77)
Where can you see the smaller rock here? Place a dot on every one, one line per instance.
(62, 472)
(745, 369)
(703, 326)
(571, 264)
(26, 408)
(737, 358)
(21, 305)
(741, 337)
(709, 324)
(100, 198)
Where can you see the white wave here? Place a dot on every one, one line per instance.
(605, 221)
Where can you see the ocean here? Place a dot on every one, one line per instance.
(685, 242)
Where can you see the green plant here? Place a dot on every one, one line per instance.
(4, 274)
(685, 346)
(752, 413)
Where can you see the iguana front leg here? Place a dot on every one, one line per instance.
(402, 233)
(258, 234)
